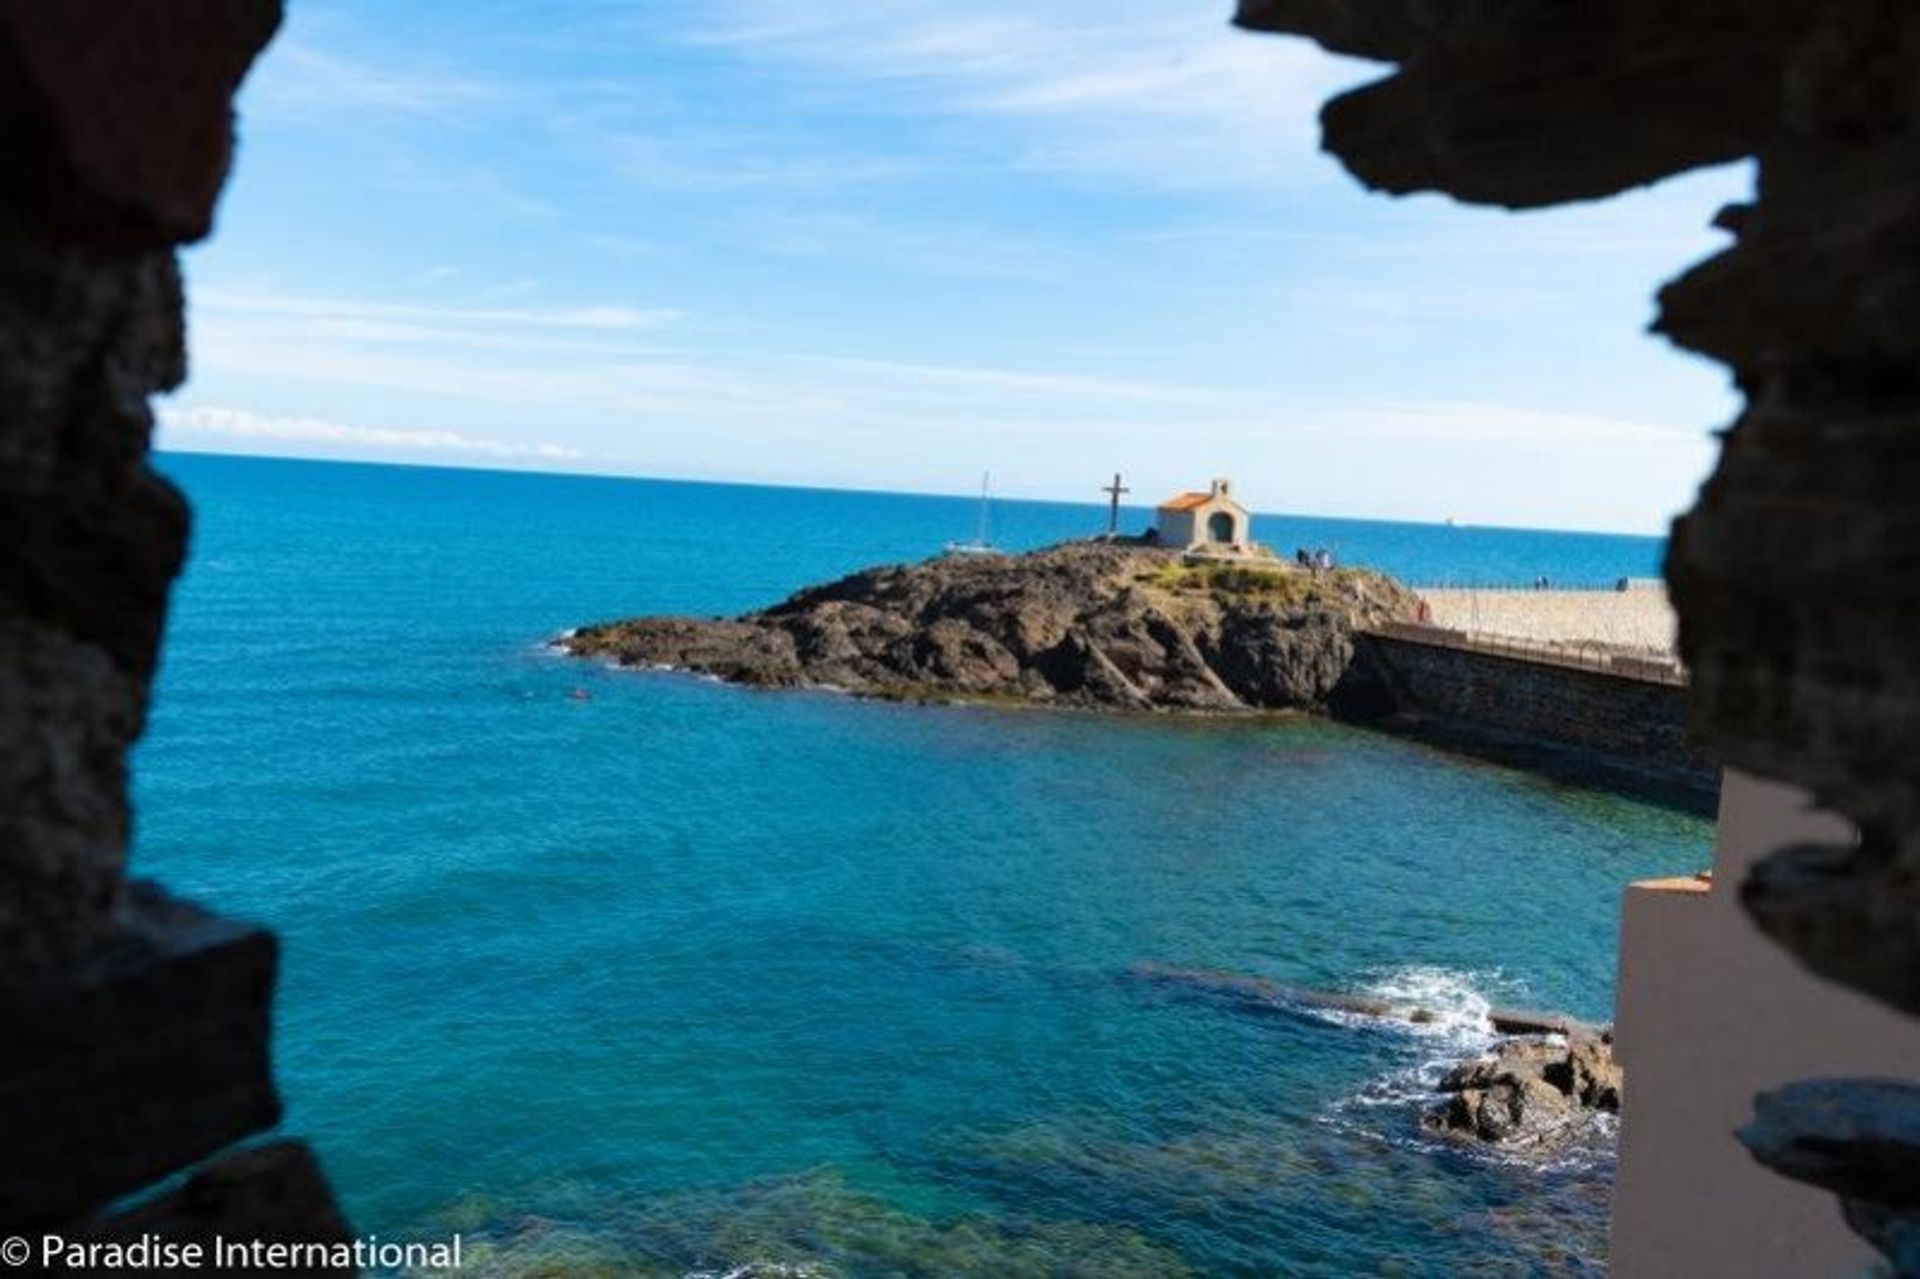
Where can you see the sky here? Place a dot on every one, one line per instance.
(894, 244)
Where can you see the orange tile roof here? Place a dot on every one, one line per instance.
(1186, 501)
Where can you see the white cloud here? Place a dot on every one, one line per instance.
(245, 427)
(606, 318)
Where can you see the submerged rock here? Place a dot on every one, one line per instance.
(1112, 625)
(813, 1225)
(1529, 1092)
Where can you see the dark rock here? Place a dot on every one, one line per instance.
(1530, 1092)
(1794, 576)
(144, 1057)
(1509, 1108)
(1842, 911)
(275, 1193)
(1489, 98)
(137, 1030)
(1860, 1139)
(1083, 624)
(1517, 1021)
(90, 541)
(119, 123)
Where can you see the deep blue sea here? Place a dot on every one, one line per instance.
(679, 979)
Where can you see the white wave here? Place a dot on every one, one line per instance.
(1445, 1015)
(1457, 1028)
(1453, 1003)
(1426, 1003)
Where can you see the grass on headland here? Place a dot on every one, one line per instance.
(1278, 584)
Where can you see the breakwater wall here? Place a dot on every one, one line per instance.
(1616, 724)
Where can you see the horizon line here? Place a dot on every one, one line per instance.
(618, 476)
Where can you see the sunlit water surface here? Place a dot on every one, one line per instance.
(679, 979)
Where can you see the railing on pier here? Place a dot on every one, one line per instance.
(1587, 656)
(1582, 586)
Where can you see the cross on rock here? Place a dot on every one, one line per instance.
(1114, 491)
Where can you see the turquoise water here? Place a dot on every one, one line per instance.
(678, 977)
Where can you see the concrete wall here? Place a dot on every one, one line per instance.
(1630, 730)
(1711, 1012)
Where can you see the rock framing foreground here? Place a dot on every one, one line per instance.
(1795, 575)
(138, 1026)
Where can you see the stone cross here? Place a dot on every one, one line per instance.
(1114, 492)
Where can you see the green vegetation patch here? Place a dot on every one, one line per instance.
(1279, 584)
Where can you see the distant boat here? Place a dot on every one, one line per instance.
(982, 543)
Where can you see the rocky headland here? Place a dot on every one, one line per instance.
(1098, 625)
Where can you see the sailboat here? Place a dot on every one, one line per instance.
(982, 543)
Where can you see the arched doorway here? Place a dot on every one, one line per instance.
(1220, 527)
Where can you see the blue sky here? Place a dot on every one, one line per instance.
(892, 244)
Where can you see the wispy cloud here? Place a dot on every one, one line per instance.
(722, 162)
(297, 78)
(1138, 89)
(951, 251)
(629, 247)
(244, 427)
(604, 317)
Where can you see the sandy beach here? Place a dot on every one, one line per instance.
(1639, 619)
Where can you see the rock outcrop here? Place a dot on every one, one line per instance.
(1531, 1092)
(1794, 575)
(137, 1026)
(1086, 624)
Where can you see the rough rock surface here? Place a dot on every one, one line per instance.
(1086, 624)
(90, 540)
(1530, 1092)
(1860, 1139)
(1795, 574)
(151, 1055)
(270, 1192)
(119, 131)
(137, 1028)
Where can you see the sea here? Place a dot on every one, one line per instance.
(632, 973)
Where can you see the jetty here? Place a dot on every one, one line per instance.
(1542, 693)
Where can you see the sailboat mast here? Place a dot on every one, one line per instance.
(986, 487)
